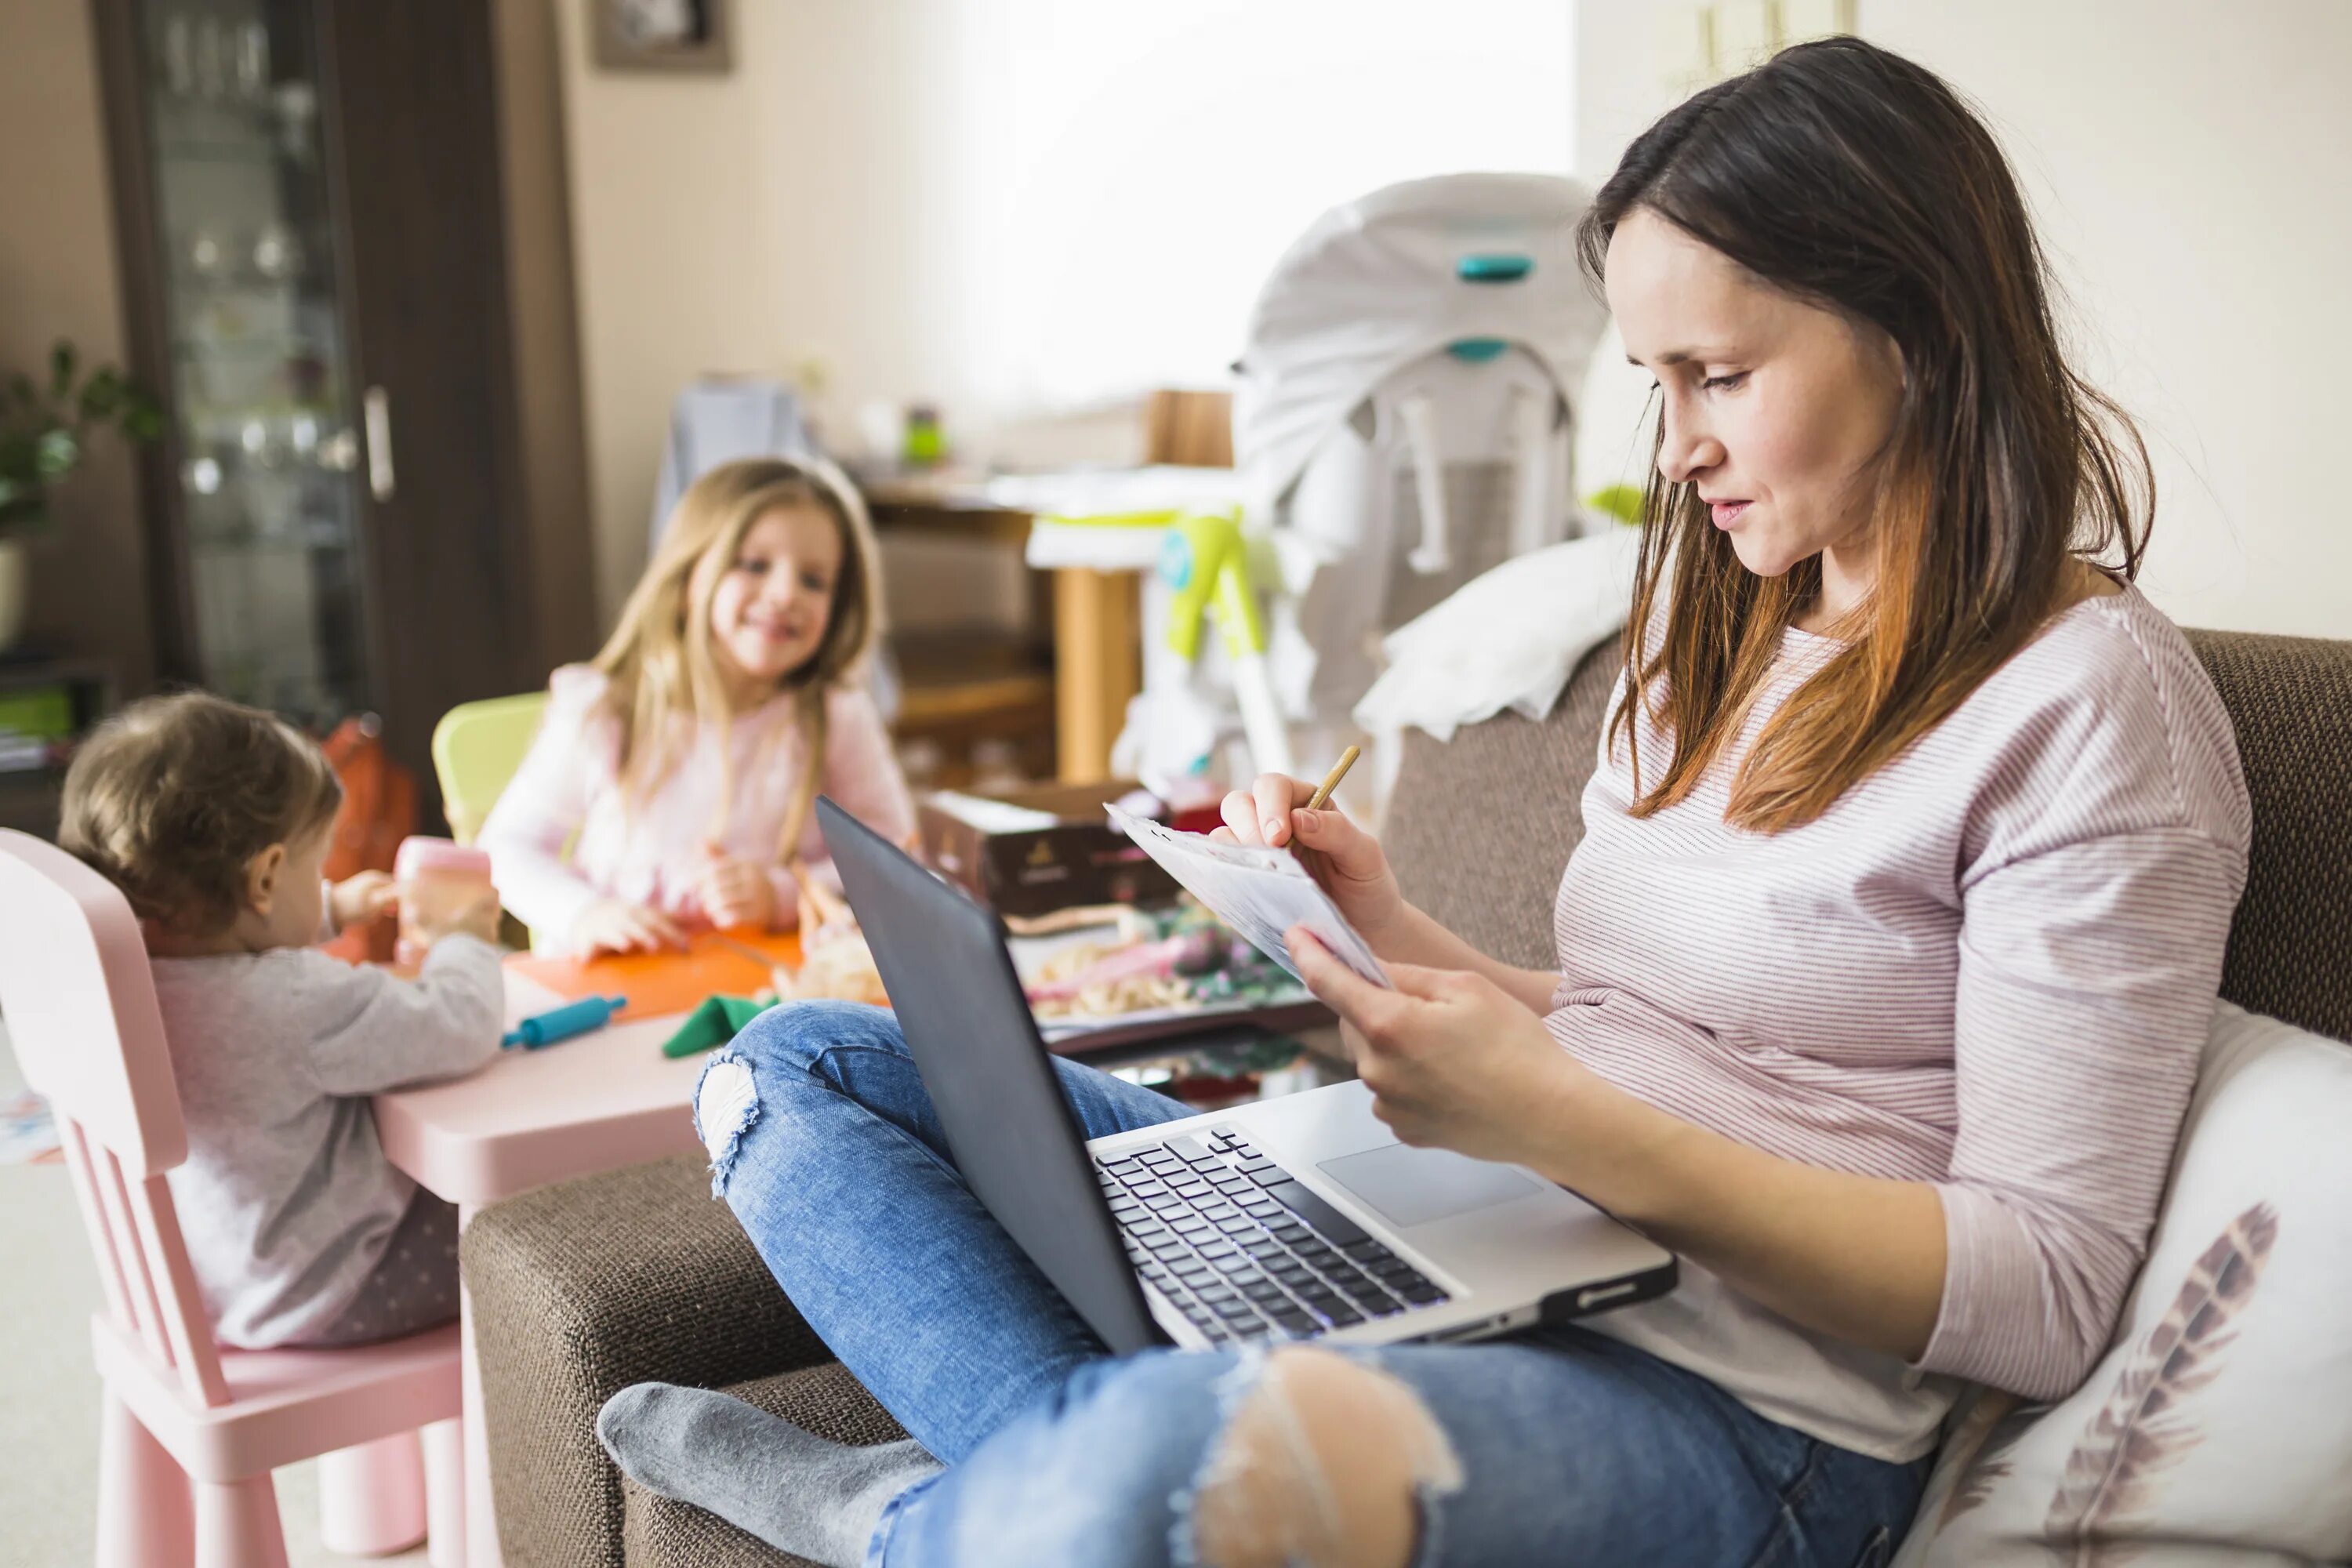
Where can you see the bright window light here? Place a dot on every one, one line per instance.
(1126, 173)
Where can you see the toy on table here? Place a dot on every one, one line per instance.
(666, 981)
(720, 975)
(439, 879)
(562, 1023)
(718, 1020)
(1175, 957)
(835, 962)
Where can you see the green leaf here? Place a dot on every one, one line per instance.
(61, 369)
(20, 388)
(57, 454)
(102, 394)
(142, 421)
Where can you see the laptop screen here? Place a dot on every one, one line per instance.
(961, 1005)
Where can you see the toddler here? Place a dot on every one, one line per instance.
(214, 819)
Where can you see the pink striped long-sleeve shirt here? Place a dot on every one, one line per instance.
(1990, 967)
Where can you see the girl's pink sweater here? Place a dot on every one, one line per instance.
(568, 792)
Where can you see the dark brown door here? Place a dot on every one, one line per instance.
(412, 128)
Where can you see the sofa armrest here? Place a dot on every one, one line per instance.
(584, 1288)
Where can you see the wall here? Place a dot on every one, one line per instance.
(59, 278)
(705, 209)
(2182, 161)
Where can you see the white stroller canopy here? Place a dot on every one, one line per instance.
(1387, 280)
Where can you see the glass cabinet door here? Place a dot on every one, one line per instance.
(271, 449)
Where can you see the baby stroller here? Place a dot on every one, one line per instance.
(1403, 422)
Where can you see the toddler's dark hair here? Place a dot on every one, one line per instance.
(171, 797)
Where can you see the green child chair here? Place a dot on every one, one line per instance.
(476, 747)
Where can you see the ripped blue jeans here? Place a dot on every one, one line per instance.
(1558, 1445)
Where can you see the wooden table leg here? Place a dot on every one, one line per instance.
(1098, 665)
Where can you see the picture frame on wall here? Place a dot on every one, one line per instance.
(665, 35)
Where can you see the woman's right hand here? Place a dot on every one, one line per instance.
(1348, 861)
(613, 925)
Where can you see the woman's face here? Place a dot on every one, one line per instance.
(774, 599)
(1773, 409)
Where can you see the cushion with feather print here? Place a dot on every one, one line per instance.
(2218, 1427)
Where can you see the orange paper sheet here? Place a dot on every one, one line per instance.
(658, 984)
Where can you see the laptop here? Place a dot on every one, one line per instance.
(1296, 1219)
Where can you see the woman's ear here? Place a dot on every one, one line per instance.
(1891, 355)
(261, 874)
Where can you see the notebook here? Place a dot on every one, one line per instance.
(1260, 893)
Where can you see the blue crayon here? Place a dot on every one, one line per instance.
(562, 1023)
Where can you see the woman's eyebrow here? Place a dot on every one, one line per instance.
(1682, 356)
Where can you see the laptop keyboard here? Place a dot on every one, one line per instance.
(1243, 1250)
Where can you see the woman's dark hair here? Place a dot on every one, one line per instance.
(1858, 182)
(171, 798)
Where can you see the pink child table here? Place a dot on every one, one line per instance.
(589, 1104)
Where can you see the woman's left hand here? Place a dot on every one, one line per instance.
(734, 892)
(1451, 1059)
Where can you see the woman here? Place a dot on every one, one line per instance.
(1884, 966)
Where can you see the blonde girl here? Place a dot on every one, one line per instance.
(680, 766)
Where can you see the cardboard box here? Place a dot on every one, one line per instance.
(1036, 849)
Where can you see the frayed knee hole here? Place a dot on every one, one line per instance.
(725, 1104)
(1323, 1463)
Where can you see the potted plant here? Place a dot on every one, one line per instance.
(43, 432)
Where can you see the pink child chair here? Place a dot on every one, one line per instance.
(191, 1430)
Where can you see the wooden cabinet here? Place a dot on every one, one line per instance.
(310, 215)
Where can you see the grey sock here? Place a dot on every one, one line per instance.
(758, 1472)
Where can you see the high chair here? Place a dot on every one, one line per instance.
(191, 1430)
(477, 747)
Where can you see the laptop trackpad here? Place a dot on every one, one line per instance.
(1410, 1186)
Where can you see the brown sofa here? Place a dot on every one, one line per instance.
(584, 1288)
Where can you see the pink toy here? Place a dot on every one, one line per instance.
(438, 878)
(190, 1430)
(1154, 960)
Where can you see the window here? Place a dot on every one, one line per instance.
(1125, 175)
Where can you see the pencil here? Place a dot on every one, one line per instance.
(1322, 794)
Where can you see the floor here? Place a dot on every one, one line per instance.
(48, 1394)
